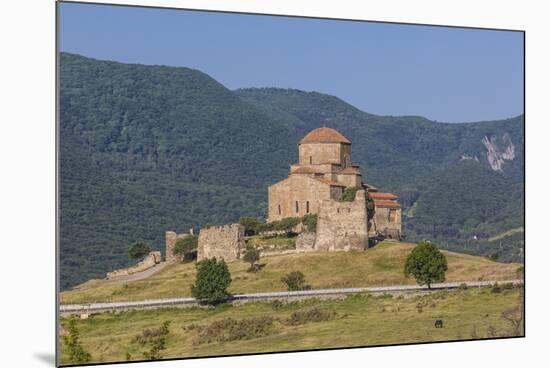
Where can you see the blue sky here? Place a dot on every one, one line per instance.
(444, 74)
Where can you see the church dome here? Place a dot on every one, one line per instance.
(324, 135)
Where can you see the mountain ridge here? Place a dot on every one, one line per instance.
(145, 149)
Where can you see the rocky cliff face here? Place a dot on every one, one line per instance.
(496, 156)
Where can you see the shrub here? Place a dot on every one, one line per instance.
(252, 256)
(251, 225)
(156, 338)
(186, 248)
(315, 314)
(493, 257)
(295, 280)
(229, 329)
(212, 280)
(463, 286)
(138, 250)
(77, 354)
(427, 264)
(348, 195)
(496, 288)
(310, 222)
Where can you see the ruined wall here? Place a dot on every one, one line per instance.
(171, 238)
(222, 242)
(343, 225)
(387, 221)
(305, 241)
(149, 261)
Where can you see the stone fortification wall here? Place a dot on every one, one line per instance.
(151, 260)
(222, 242)
(343, 225)
(171, 239)
(305, 241)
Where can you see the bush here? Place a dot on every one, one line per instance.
(295, 280)
(212, 280)
(186, 248)
(496, 288)
(77, 354)
(310, 222)
(463, 286)
(138, 250)
(229, 329)
(315, 314)
(348, 195)
(427, 264)
(252, 256)
(156, 338)
(251, 225)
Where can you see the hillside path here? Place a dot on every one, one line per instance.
(138, 275)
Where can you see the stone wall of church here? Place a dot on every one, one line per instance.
(342, 225)
(223, 242)
(296, 196)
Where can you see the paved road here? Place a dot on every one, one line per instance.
(165, 303)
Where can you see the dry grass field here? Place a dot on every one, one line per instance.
(357, 320)
(378, 266)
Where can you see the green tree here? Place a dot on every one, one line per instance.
(186, 247)
(426, 263)
(295, 280)
(212, 280)
(77, 354)
(138, 250)
(252, 256)
(251, 225)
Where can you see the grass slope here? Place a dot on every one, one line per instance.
(381, 265)
(360, 320)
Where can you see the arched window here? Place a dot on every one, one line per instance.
(307, 206)
(279, 206)
(310, 160)
(297, 209)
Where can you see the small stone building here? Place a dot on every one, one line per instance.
(324, 170)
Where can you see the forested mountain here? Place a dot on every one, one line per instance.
(145, 149)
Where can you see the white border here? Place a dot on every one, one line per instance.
(27, 193)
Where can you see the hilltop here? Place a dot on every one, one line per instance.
(378, 266)
(144, 149)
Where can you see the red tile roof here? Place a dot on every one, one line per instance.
(382, 195)
(324, 135)
(330, 182)
(350, 170)
(387, 204)
(306, 170)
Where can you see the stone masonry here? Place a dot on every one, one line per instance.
(171, 239)
(343, 225)
(151, 260)
(223, 242)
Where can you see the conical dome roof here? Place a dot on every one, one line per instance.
(324, 135)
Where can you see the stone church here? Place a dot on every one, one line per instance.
(314, 186)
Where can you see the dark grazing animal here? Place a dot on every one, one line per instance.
(438, 323)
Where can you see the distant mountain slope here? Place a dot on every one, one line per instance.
(145, 149)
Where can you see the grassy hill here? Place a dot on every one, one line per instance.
(255, 327)
(381, 265)
(145, 149)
